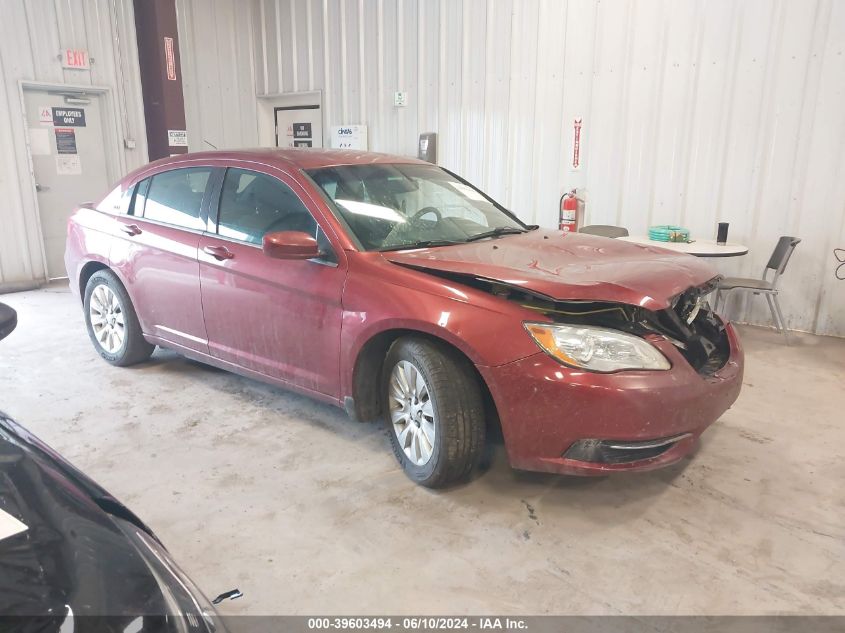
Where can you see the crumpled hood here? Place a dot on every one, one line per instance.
(569, 266)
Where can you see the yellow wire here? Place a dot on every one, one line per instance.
(540, 309)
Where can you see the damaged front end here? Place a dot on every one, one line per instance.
(689, 321)
(692, 325)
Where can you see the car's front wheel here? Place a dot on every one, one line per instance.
(112, 323)
(434, 411)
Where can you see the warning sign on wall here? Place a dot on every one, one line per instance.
(177, 138)
(170, 58)
(576, 144)
(302, 130)
(65, 140)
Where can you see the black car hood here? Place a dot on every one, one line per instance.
(79, 553)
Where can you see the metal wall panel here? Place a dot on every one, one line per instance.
(32, 35)
(216, 48)
(693, 112)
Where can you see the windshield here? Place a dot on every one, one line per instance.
(390, 207)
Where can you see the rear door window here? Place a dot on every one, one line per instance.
(175, 197)
(140, 198)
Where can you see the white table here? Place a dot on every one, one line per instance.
(699, 248)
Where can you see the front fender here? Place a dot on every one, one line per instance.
(372, 306)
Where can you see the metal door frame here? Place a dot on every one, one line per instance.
(115, 160)
(266, 112)
(277, 109)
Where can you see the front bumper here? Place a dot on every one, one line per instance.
(545, 407)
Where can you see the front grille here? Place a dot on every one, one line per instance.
(618, 452)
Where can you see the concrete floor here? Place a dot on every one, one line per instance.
(307, 513)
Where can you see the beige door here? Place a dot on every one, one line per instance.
(69, 158)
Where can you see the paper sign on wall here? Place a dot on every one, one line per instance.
(177, 138)
(68, 165)
(349, 137)
(39, 141)
(45, 114)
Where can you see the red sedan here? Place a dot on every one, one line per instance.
(399, 291)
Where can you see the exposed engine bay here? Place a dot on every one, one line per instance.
(690, 323)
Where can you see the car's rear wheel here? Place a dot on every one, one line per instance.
(433, 410)
(112, 323)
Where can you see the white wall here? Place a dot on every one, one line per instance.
(694, 112)
(32, 35)
(216, 46)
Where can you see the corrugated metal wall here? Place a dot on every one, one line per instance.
(216, 46)
(32, 35)
(693, 112)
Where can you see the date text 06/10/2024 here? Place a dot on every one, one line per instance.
(430, 623)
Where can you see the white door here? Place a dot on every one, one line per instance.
(299, 126)
(67, 144)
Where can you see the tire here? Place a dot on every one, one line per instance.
(453, 403)
(132, 348)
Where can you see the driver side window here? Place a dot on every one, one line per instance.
(252, 204)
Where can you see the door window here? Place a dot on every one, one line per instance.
(140, 198)
(175, 197)
(252, 204)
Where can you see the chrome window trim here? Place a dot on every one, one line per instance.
(168, 225)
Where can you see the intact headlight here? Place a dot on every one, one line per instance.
(595, 348)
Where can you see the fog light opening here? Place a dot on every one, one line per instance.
(620, 452)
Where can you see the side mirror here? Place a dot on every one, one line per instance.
(290, 245)
(8, 320)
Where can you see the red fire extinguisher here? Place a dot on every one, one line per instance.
(569, 212)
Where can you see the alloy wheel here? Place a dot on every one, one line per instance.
(107, 319)
(412, 412)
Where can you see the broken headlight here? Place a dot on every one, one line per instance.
(596, 349)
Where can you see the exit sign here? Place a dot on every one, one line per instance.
(75, 58)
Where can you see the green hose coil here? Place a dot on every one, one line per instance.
(668, 233)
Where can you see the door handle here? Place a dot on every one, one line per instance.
(42, 187)
(130, 229)
(218, 252)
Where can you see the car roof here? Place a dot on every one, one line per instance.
(296, 158)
